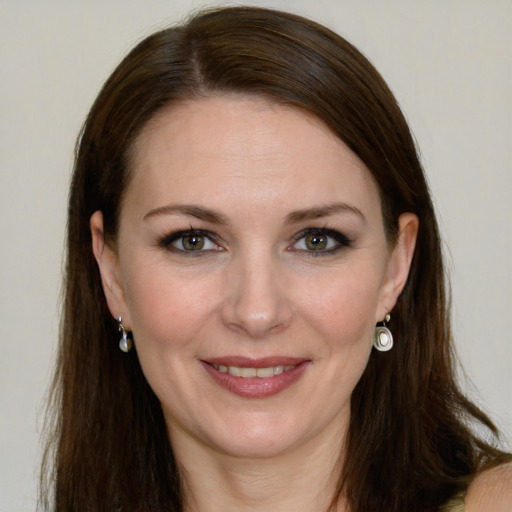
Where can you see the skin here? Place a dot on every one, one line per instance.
(256, 290)
(491, 491)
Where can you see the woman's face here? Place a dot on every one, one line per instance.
(252, 266)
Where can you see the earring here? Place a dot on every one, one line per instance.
(125, 343)
(382, 337)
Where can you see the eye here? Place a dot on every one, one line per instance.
(190, 241)
(320, 241)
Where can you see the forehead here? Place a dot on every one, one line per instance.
(227, 115)
(247, 146)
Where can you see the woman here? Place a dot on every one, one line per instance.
(259, 220)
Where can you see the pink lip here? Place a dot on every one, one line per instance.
(247, 362)
(255, 387)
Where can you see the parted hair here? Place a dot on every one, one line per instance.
(410, 443)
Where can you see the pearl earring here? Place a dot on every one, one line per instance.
(125, 343)
(382, 337)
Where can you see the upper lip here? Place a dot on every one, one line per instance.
(247, 362)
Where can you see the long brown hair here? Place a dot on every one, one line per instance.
(409, 445)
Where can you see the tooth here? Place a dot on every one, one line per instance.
(247, 372)
(234, 370)
(216, 366)
(263, 373)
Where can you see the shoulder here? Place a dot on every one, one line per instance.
(491, 491)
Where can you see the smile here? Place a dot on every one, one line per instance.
(260, 373)
(251, 378)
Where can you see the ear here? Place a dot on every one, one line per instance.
(399, 264)
(108, 264)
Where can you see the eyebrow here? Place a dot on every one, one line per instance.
(199, 212)
(323, 211)
(206, 214)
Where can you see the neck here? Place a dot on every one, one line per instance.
(303, 479)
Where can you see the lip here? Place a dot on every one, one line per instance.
(256, 387)
(247, 362)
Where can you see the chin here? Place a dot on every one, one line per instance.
(260, 435)
(257, 445)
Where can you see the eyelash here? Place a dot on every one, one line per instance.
(341, 241)
(167, 241)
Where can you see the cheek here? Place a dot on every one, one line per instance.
(344, 309)
(170, 314)
(166, 308)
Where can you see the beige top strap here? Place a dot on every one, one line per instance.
(455, 505)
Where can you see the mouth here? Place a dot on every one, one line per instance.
(247, 373)
(250, 378)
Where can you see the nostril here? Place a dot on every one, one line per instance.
(257, 324)
(256, 303)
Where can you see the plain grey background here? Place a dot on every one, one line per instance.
(449, 62)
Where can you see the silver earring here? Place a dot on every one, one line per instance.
(125, 343)
(382, 337)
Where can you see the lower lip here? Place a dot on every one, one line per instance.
(254, 387)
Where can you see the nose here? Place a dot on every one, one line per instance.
(257, 302)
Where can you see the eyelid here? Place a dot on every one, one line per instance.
(342, 240)
(166, 241)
